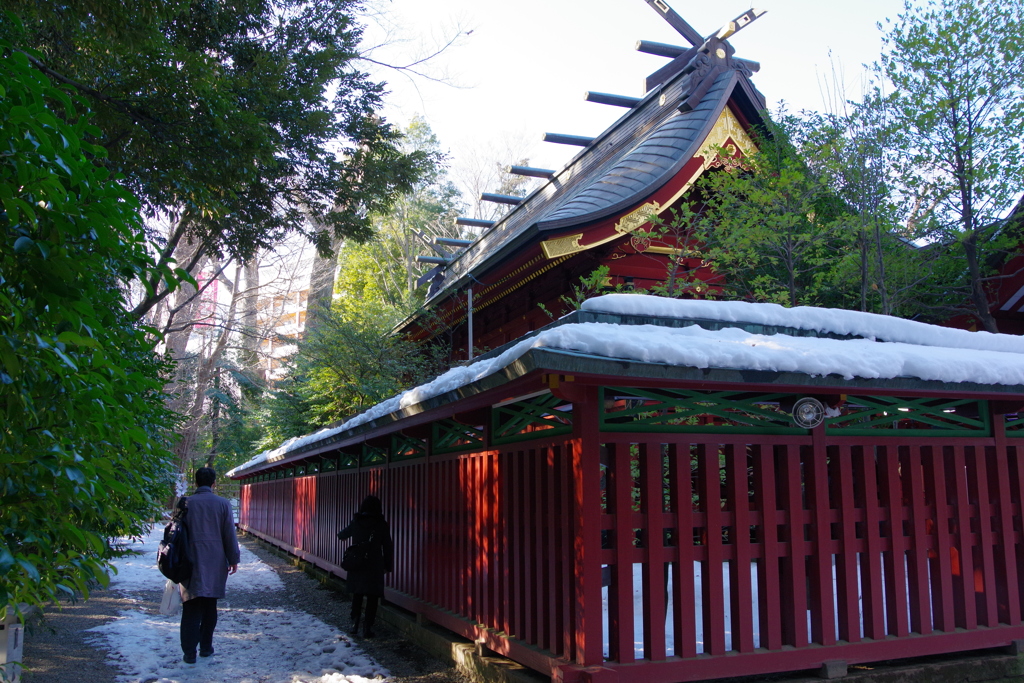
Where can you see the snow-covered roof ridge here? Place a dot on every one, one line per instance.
(825, 320)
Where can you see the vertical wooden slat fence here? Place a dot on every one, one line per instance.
(686, 556)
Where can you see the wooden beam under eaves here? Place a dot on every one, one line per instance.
(614, 100)
(436, 260)
(452, 242)
(500, 198)
(661, 49)
(473, 222)
(560, 139)
(530, 171)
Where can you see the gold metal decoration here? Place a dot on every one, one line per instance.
(726, 127)
(637, 217)
(641, 241)
(562, 246)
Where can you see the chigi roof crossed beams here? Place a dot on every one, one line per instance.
(597, 209)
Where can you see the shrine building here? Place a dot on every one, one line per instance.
(656, 489)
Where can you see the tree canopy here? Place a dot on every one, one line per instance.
(953, 80)
(770, 224)
(385, 268)
(243, 121)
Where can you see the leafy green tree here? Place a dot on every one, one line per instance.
(83, 457)
(956, 73)
(348, 363)
(769, 223)
(242, 121)
(885, 269)
(385, 268)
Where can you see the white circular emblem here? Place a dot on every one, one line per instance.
(808, 412)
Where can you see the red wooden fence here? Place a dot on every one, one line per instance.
(578, 555)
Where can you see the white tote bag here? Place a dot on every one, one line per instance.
(172, 599)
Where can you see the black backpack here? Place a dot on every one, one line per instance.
(360, 556)
(172, 556)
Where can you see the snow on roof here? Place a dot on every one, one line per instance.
(828, 320)
(908, 349)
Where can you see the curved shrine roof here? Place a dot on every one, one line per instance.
(632, 159)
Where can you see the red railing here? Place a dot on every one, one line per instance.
(689, 556)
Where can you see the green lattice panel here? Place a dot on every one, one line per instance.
(290, 472)
(348, 461)
(328, 464)
(1015, 424)
(870, 415)
(538, 417)
(681, 410)
(449, 436)
(373, 455)
(405, 447)
(313, 468)
(300, 470)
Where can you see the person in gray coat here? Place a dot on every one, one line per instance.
(213, 549)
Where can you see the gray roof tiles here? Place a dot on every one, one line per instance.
(663, 150)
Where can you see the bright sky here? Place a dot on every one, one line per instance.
(525, 66)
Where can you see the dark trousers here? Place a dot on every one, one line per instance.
(371, 609)
(198, 620)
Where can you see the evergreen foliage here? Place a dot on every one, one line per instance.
(83, 457)
(349, 360)
(385, 268)
(242, 121)
(769, 223)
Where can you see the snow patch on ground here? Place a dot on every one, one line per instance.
(252, 646)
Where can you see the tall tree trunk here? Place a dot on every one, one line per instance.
(883, 287)
(189, 434)
(979, 298)
(862, 240)
(321, 285)
(248, 322)
(214, 420)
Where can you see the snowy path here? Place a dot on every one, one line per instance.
(252, 645)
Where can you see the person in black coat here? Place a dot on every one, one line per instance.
(369, 527)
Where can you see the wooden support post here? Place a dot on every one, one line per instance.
(740, 591)
(620, 593)
(586, 466)
(469, 323)
(1003, 483)
(682, 574)
(820, 572)
(652, 499)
